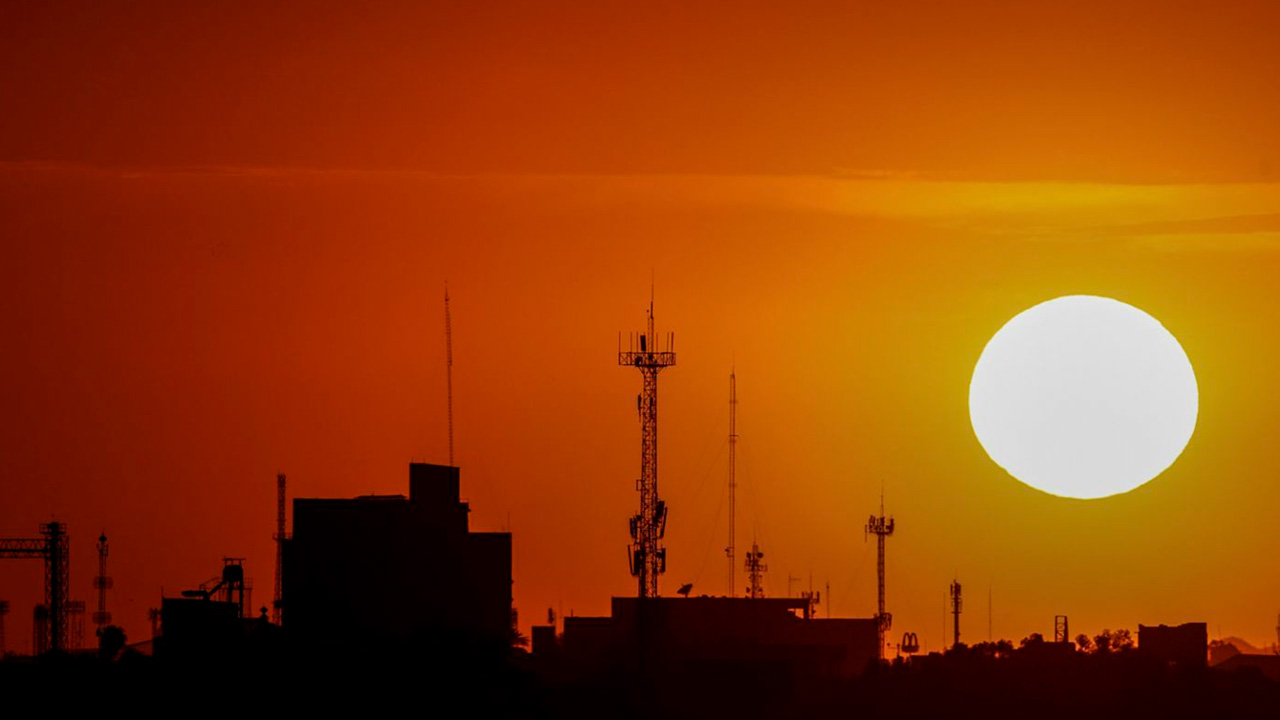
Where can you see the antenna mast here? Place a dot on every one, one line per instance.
(277, 604)
(102, 583)
(648, 557)
(731, 551)
(881, 527)
(755, 568)
(955, 612)
(448, 366)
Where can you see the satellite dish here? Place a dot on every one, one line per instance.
(685, 589)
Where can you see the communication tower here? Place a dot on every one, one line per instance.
(102, 583)
(955, 612)
(277, 603)
(733, 484)
(4, 610)
(881, 527)
(648, 557)
(755, 568)
(75, 623)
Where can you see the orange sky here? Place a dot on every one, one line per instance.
(226, 234)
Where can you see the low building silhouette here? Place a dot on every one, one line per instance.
(388, 570)
(1185, 645)
(213, 622)
(701, 633)
(1266, 665)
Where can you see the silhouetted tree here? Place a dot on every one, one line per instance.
(1102, 642)
(1122, 639)
(1084, 643)
(1113, 641)
(110, 642)
(1032, 639)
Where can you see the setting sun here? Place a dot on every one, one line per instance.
(1083, 397)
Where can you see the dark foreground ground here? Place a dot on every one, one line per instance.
(427, 683)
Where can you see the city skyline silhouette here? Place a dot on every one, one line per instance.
(229, 231)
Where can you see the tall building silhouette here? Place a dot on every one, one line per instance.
(382, 569)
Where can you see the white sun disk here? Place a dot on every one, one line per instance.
(1083, 397)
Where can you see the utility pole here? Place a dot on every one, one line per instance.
(881, 527)
(733, 484)
(648, 557)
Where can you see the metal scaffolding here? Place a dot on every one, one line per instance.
(53, 548)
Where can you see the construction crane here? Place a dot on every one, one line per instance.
(881, 527)
(731, 550)
(647, 556)
(277, 604)
(54, 549)
(102, 583)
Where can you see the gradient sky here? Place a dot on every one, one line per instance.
(226, 233)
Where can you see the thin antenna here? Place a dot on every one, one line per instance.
(989, 614)
(102, 583)
(277, 603)
(448, 366)
(731, 551)
(956, 607)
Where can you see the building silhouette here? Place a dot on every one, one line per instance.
(1185, 645)
(705, 632)
(382, 570)
(214, 621)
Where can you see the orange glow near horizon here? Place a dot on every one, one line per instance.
(227, 237)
